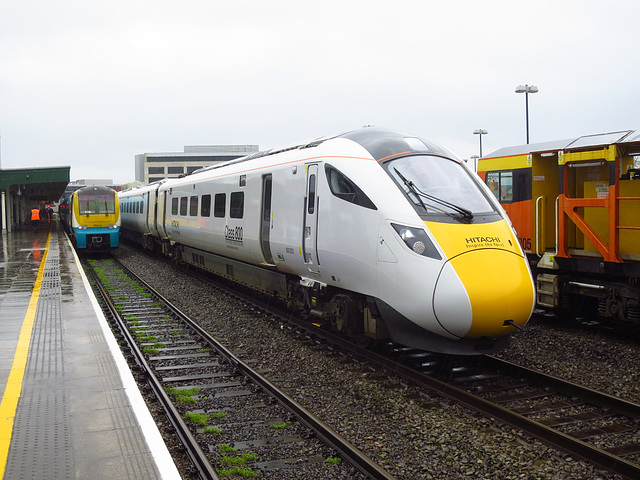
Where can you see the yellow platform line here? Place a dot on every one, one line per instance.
(14, 384)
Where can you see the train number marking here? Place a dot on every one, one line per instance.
(525, 243)
(233, 234)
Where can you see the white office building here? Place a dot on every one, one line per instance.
(151, 167)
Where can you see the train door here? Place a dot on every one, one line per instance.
(147, 212)
(265, 221)
(161, 214)
(310, 231)
(544, 192)
(152, 206)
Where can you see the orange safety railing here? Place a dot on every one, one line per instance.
(567, 208)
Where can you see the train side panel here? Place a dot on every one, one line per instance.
(223, 230)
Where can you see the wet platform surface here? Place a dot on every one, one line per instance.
(70, 407)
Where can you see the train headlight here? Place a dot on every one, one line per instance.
(417, 240)
(83, 227)
(111, 227)
(419, 247)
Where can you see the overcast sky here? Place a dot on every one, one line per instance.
(92, 83)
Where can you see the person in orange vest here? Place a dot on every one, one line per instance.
(35, 218)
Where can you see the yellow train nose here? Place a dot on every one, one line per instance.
(483, 292)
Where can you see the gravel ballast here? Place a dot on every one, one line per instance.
(411, 434)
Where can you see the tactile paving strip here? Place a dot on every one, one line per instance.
(74, 418)
(41, 425)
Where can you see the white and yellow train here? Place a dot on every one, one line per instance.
(380, 233)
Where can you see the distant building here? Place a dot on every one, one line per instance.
(151, 167)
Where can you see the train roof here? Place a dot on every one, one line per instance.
(380, 143)
(95, 189)
(579, 143)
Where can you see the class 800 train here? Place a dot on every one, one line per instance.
(382, 235)
(91, 217)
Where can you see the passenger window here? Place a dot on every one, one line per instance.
(174, 206)
(205, 208)
(219, 205)
(311, 201)
(342, 187)
(193, 206)
(236, 208)
(184, 201)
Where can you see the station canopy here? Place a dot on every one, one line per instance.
(44, 184)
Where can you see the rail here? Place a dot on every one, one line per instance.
(348, 452)
(197, 456)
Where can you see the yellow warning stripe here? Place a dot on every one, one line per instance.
(14, 383)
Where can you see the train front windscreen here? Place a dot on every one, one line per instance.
(96, 204)
(441, 188)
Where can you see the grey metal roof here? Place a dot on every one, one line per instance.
(633, 137)
(599, 139)
(584, 141)
(529, 148)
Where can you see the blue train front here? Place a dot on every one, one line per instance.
(94, 219)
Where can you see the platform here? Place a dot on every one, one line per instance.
(70, 408)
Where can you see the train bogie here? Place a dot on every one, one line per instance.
(339, 229)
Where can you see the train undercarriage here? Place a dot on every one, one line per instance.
(589, 289)
(345, 312)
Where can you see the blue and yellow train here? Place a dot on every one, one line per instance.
(91, 216)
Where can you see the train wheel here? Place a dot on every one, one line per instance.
(346, 314)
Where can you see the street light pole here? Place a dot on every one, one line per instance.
(527, 89)
(480, 132)
(474, 162)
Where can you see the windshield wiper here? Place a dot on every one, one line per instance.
(412, 188)
(464, 213)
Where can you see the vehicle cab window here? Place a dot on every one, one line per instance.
(342, 187)
(441, 189)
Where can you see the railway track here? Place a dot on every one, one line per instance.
(229, 417)
(599, 428)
